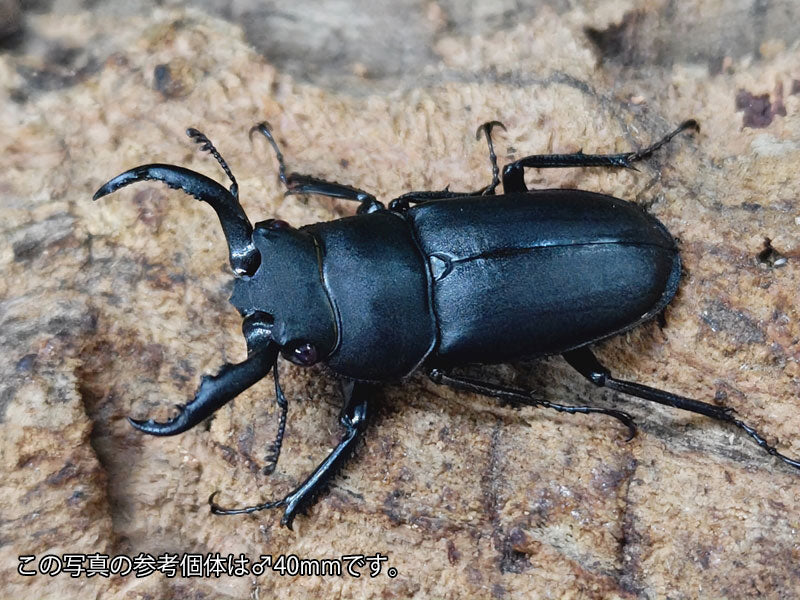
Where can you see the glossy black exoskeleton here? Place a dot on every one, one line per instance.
(438, 280)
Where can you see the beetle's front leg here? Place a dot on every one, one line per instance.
(306, 184)
(354, 420)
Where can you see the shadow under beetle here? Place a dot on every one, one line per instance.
(437, 280)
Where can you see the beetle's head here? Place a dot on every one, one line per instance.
(279, 287)
(284, 300)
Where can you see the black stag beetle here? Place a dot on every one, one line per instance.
(437, 280)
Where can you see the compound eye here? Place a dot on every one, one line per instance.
(302, 353)
(274, 224)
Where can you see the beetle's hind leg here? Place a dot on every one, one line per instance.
(583, 361)
(305, 184)
(518, 396)
(354, 420)
(513, 173)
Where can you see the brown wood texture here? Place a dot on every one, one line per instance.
(118, 307)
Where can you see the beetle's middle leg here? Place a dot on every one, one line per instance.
(518, 396)
(354, 420)
(486, 128)
(513, 180)
(583, 361)
(402, 203)
(297, 183)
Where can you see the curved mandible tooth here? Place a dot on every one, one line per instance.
(238, 231)
(214, 392)
(175, 425)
